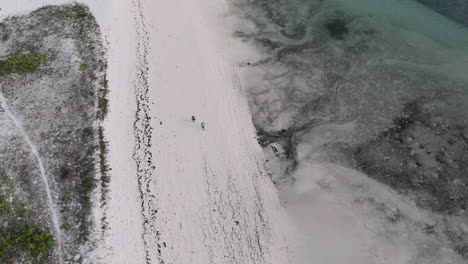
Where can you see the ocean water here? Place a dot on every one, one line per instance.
(362, 109)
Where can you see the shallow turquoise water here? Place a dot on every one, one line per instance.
(380, 87)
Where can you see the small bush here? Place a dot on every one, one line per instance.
(4, 32)
(83, 66)
(67, 227)
(23, 211)
(29, 242)
(6, 179)
(5, 206)
(87, 132)
(22, 64)
(80, 11)
(64, 172)
(103, 101)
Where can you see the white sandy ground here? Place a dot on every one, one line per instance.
(214, 202)
(203, 182)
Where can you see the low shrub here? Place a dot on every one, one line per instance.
(28, 242)
(22, 64)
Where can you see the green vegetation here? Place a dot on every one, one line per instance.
(22, 64)
(103, 101)
(24, 211)
(6, 187)
(88, 132)
(105, 179)
(6, 179)
(4, 33)
(28, 242)
(80, 11)
(5, 206)
(16, 208)
(103, 108)
(77, 135)
(67, 227)
(64, 172)
(8, 207)
(83, 66)
(20, 240)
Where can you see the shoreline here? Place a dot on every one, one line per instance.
(179, 55)
(205, 197)
(206, 185)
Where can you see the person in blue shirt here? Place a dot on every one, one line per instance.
(203, 125)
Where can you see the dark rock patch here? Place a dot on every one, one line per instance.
(337, 28)
(423, 155)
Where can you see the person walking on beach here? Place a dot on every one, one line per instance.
(193, 119)
(203, 125)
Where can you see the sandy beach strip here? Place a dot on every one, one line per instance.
(179, 194)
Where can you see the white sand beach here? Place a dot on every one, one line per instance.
(204, 194)
(179, 194)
